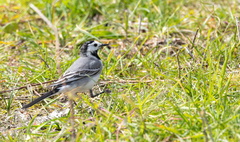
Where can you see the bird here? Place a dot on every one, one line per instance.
(81, 76)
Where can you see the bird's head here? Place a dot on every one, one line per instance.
(91, 47)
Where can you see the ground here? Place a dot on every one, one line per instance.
(173, 70)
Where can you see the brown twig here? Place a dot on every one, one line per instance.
(19, 98)
(238, 28)
(179, 65)
(44, 61)
(207, 131)
(55, 30)
(73, 132)
(194, 39)
(193, 44)
(101, 82)
(26, 86)
(140, 24)
(107, 112)
(125, 81)
(18, 43)
(119, 129)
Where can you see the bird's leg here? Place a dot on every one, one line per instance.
(91, 111)
(95, 95)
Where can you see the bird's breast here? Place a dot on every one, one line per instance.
(92, 81)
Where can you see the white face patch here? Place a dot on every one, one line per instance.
(93, 46)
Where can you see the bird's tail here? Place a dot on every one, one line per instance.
(45, 95)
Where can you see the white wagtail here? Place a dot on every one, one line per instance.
(81, 76)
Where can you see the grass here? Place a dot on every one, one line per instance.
(158, 91)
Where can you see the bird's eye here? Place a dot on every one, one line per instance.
(95, 45)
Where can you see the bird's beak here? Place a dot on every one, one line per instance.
(104, 45)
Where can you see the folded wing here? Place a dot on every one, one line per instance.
(88, 69)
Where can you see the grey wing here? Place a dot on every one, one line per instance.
(83, 67)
